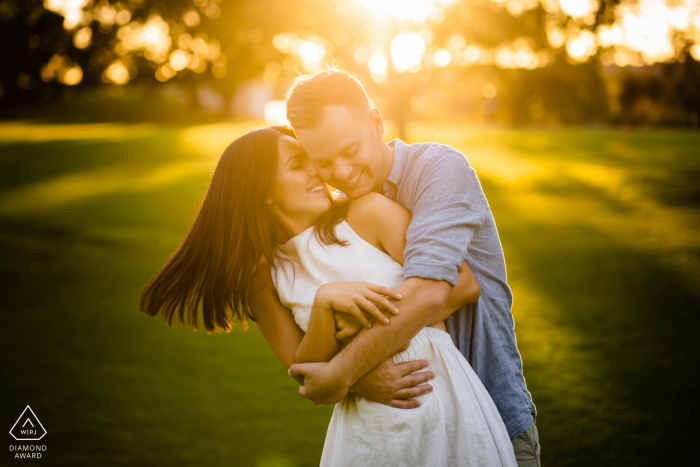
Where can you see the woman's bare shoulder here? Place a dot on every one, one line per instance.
(261, 282)
(374, 206)
(373, 216)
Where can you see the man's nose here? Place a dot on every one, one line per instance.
(342, 171)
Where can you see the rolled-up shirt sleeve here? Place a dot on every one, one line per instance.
(449, 207)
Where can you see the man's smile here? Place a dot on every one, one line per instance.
(354, 179)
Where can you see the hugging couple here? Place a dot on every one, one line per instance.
(388, 300)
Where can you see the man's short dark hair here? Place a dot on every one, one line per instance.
(311, 93)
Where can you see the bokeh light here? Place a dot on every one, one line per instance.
(578, 8)
(275, 112)
(488, 91)
(191, 19)
(442, 58)
(581, 46)
(407, 52)
(72, 76)
(309, 51)
(116, 73)
(82, 38)
(151, 38)
(179, 60)
(378, 66)
(635, 32)
(403, 45)
(73, 11)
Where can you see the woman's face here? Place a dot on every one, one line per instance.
(299, 194)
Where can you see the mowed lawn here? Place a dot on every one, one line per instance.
(601, 232)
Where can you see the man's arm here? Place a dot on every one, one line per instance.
(390, 383)
(328, 383)
(467, 291)
(275, 322)
(382, 223)
(422, 300)
(319, 343)
(448, 209)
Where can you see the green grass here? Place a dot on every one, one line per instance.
(601, 231)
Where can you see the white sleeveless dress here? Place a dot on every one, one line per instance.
(457, 424)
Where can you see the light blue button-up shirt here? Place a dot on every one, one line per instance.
(452, 222)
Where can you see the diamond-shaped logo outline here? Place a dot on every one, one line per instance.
(20, 418)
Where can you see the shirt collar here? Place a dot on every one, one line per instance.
(401, 151)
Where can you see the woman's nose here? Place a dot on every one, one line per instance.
(313, 171)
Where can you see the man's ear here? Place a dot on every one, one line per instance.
(376, 122)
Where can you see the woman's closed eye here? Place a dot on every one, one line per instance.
(297, 162)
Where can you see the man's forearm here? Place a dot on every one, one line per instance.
(422, 300)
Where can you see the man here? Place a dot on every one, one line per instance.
(451, 222)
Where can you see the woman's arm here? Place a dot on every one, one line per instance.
(467, 291)
(275, 322)
(283, 335)
(319, 343)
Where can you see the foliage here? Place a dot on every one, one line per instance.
(543, 60)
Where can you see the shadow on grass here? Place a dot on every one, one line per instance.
(607, 335)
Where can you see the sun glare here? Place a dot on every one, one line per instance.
(578, 8)
(310, 51)
(642, 32)
(414, 11)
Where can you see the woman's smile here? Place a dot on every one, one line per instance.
(316, 189)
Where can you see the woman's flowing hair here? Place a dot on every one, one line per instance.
(229, 240)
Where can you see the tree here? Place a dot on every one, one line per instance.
(510, 60)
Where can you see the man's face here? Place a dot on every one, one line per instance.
(345, 148)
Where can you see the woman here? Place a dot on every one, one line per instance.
(267, 214)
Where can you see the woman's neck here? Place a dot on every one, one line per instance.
(286, 227)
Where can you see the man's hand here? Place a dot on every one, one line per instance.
(320, 386)
(393, 384)
(328, 383)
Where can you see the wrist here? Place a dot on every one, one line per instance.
(321, 299)
(339, 374)
(358, 387)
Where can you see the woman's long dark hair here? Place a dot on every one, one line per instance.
(229, 240)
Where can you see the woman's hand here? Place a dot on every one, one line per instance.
(467, 290)
(346, 326)
(358, 298)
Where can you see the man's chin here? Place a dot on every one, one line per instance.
(355, 193)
